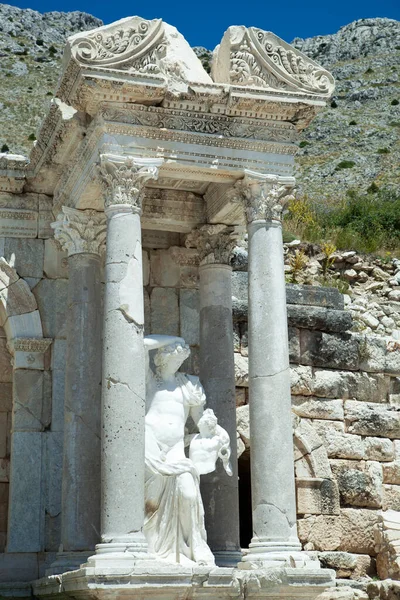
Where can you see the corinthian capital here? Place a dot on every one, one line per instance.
(214, 243)
(264, 196)
(124, 178)
(80, 231)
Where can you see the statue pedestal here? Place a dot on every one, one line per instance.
(159, 581)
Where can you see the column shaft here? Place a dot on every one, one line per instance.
(123, 385)
(272, 469)
(81, 464)
(217, 374)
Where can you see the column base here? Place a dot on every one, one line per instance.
(226, 558)
(67, 561)
(266, 555)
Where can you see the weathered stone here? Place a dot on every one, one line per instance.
(241, 370)
(242, 424)
(310, 295)
(28, 401)
(343, 593)
(146, 268)
(164, 311)
(316, 317)
(360, 483)
(294, 345)
(189, 316)
(164, 270)
(28, 256)
(51, 296)
(18, 299)
(327, 350)
(338, 443)
(347, 385)
(378, 449)
(18, 567)
(5, 396)
(317, 496)
(5, 362)
(240, 396)
(3, 434)
(391, 497)
(387, 539)
(342, 562)
(55, 260)
(318, 408)
(367, 418)
(379, 354)
(391, 472)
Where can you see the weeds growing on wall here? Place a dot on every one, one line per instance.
(364, 222)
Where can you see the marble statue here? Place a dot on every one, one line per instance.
(174, 522)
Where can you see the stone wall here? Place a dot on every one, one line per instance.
(5, 433)
(346, 413)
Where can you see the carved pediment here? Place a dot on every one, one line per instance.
(253, 57)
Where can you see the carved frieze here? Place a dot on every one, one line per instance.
(29, 353)
(214, 243)
(18, 223)
(257, 58)
(172, 210)
(265, 197)
(80, 231)
(123, 179)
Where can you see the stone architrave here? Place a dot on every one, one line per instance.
(123, 378)
(217, 374)
(82, 234)
(272, 470)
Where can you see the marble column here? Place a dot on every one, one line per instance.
(82, 234)
(217, 375)
(272, 468)
(123, 380)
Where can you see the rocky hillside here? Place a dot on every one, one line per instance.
(31, 46)
(355, 143)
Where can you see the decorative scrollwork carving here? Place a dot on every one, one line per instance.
(124, 179)
(264, 197)
(214, 243)
(80, 231)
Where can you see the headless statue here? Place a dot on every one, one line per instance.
(174, 519)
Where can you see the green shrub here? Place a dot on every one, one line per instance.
(52, 50)
(369, 71)
(373, 188)
(394, 102)
(345, 164)
(333, 104)
(304, 143)
(39, 42)
(353, 123)
(383, 151)
(32, 137)
(4, 148)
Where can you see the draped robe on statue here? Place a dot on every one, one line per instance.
(174, 523)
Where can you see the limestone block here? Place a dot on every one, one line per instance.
(26, 326)
(348, 385)
(343, 563)
(55, 260)
(367, 418)
(147, 312)
(53, 482)
(3, 434)
(387, 538)
(241, 370)
(18, 567)
(391, 497)
(164, 270)
(294, 344)
(146, 267)
(383, 590)
(310, 295)
(28, 256)
(379, 354)
(4, 470)
(57, 400)
(51, 296)
(240, 396)
(366, 567)
(343, 593)
(5, 362)
(316, 317)
(59, 355)
(46, 217)
(243, 424)
(339, 444)
(391, 472)
(318, 408)
(380, 449)
(301, 380)
(317, 496)
(17, 299)
(189, 316)
(25, 517)
(360, 483)
(29, 413)
(18, 223)
(321, 349)
(164, 311)
(5, 396)
(351, 531)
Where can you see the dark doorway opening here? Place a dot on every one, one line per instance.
(245, 513)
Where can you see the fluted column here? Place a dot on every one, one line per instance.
(82, 234)
(217, 375)
(123, 380)
(272, 468)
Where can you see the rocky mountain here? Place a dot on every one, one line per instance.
(352, 144)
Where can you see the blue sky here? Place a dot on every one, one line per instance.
(204, 22)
